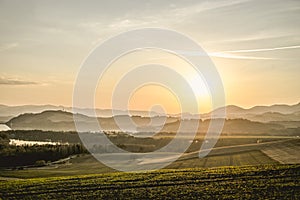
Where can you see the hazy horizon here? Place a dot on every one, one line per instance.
(136, 110)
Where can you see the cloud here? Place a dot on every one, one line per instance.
(13, 81)
(233, 56)
(166, 16)
(205, 6)
(8, 46)
(222, 55)
(262, 50)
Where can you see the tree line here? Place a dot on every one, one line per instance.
(29, 155)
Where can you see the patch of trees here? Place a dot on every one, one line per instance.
(13, 156)
(39, 135)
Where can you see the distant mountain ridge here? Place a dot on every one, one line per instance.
(13, 111)
(277, 112)
(279, 108)
(58, 120)
(63, 121)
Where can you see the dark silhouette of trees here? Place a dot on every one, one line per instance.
(13, 156)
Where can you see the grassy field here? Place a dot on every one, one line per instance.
(253, 171)
(229, 154)
(86, 164)
(248, 182)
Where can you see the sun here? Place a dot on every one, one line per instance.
(154, 94)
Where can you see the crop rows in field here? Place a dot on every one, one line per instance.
(256, 182)
(235, 159)
(285, 153)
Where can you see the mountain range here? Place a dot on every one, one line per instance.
(8, 112)
(274, 113)
(277, 112)
(64, 121)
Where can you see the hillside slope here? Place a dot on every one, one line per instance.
(64, 121)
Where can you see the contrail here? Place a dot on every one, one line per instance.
(232, 56)
(221, 55)
(260, 50)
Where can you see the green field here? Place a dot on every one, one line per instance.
(249, 182)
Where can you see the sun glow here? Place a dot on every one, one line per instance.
(145, 97)
(150, 96)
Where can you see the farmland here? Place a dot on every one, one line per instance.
(249, 182)
(228, 152)
(237, 167)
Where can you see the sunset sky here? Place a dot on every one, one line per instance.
(255, 46)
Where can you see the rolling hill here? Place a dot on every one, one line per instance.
(279, 108)
(57, 120)
(63, 121)
(7, 112)
(290, 112)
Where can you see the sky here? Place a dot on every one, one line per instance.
(255, 45)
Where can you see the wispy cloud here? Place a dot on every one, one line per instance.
(233, 56)
(257, 37)
(204, 6)
(222, 55)
(14, 81)
(165, 17)
(8, 46)
(262, 50)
